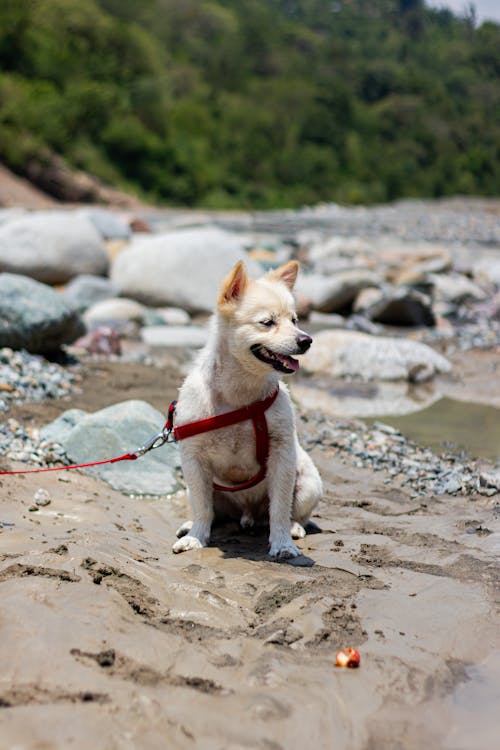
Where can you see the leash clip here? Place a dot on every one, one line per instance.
(165, 436)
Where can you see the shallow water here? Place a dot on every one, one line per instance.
(447, 422)
(473, 708)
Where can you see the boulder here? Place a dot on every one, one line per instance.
(173, 316)
(359, 355)
(183, 268)
(329, 256)
(109, 225)
(113, 310)
(178, 336)
(334, 293)
(397, 307)
(455, 288)
(34, 317)
(111, 432)
(52, 247)
(487, 271)
(84, 290)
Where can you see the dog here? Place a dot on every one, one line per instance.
(254, 338)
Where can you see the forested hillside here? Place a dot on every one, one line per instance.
(254, 103)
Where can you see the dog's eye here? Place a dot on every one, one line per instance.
(295, 320)
(268, 323)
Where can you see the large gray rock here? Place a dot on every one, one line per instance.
(109, 225)
(85, 290)
(395, 306)
(359, 355)
(334, 293)
(119, 429)
(34, 317)
(52, 247)
(182, 268)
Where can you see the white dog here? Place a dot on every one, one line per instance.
(254, 336)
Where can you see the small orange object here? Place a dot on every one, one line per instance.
(347, 657)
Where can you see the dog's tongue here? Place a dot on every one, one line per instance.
(290, 362)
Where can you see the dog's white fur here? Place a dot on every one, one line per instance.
(227, 375)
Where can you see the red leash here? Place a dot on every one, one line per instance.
(255, 412)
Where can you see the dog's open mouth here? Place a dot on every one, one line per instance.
(280, 362)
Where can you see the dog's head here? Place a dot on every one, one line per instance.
(260, 318)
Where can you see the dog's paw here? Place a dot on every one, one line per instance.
(284, 551)
(184, 529)
(186, 543)
(247, 521)
(297, 531)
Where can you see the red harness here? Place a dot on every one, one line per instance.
(255, 411)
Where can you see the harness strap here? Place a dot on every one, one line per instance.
(255, 412)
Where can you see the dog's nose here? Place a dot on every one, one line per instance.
(304, 342)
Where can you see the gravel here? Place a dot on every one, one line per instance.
(381, 447)
(28, 377)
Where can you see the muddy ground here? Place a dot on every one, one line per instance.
(108, 641)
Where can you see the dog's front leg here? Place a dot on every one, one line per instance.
(199, 483)
(282, 472)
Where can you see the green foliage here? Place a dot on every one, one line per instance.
(254, 103)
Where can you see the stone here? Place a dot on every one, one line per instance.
(326, 320)
(183, 268)
(85, 290)
(334, 293)
(173, 316)
(395, 306)
(329, 256)
(109, 225)
(453, 287)
(487, 271)
(490, 479)
(416, 269)
(109, 311)
(113, 431)
(34, 317)
(173, 336)
(52, 247)
(360, 355)
(103, 341)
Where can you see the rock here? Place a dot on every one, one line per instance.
(397, 307)
(173, 316)
(490, 479)
(416, 268)
(336, 253)
(111, 432)
(109, 311)
(183, 336)
(454, 287)
(52, 247)
(41, 497)
(108, 224)
(34, 317)
(359, 355)
(84, 290)
(327, 320)
(334, 293)
(487, 271)
(182, 268)
(103, 340)
(139, 225)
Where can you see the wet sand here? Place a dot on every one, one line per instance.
(110, 641)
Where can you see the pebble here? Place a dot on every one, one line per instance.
(28, 377)
(41, 497)
(382, 448)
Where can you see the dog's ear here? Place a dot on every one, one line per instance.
(232, 288)
(287, 273)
